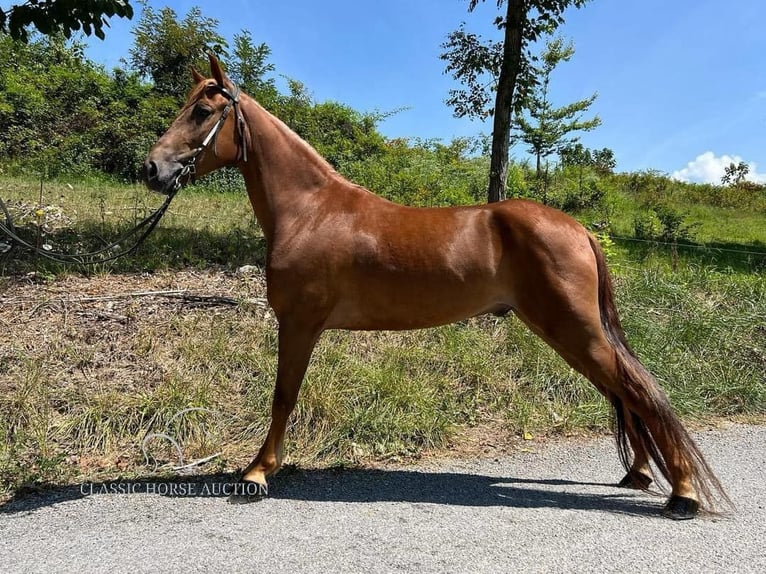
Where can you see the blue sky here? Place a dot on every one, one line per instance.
(681, 83)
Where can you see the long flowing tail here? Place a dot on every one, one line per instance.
(633, 375)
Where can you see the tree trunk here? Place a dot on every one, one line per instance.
(506, 85)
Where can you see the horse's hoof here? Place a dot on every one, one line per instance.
(247, 491)
(681, 508)
(636, 480)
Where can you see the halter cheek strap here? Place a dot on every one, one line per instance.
(239, 121)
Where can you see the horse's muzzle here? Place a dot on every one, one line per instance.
(161, 176)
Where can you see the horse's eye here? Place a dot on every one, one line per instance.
(201, 112)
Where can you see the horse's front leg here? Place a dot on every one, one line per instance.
(296, 343)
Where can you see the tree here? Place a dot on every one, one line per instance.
(62, 113)
(49, 96)
(339, 133)
(166, 48)
(501, 66)
(604, 161)
(576, 155)
(544, 128)
(250, 67)
(62, 16)
(735, 174)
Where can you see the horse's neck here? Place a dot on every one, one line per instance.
(282, 171)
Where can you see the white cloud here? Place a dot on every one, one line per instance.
(707, 168)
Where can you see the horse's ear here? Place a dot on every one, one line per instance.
(216, 71)
(197, 76)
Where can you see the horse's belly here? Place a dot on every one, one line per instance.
(416, 304)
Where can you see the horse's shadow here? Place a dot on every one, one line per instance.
(367, 486)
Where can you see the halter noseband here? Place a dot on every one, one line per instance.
(189, 164)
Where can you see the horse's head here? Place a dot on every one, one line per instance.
(204, 136)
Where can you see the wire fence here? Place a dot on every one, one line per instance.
(670, 244)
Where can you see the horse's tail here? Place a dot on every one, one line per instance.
(635, 377)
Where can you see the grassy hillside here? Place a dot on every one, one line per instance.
(88, 367)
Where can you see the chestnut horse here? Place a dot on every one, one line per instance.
(340, 257)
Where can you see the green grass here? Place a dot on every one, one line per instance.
(201, 228)
(726, 225)
(79, 389)
(701, 331)
(743, 229)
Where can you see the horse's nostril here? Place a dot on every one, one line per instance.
(150, 170)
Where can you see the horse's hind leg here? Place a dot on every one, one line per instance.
(638, 471)
(563, 306)
(593, 356)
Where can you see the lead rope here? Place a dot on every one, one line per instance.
(151, 221)
(91, 257)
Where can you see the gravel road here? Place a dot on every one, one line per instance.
(551, 510)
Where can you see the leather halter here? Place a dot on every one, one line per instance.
(190, 162)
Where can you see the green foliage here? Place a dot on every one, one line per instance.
(50, 98)
(540, 125)
(673, 224)
(604, 161)
(165, 47)
(662, 222)
(572, 190)
(576, 154)
(134, 117)
(735, 174)
(608, 245)
(650, 187)
(52, 17)
(476, 63)
(339, 133)
(517, 183)
(62, 114)
(250, 69)
(423, 173)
